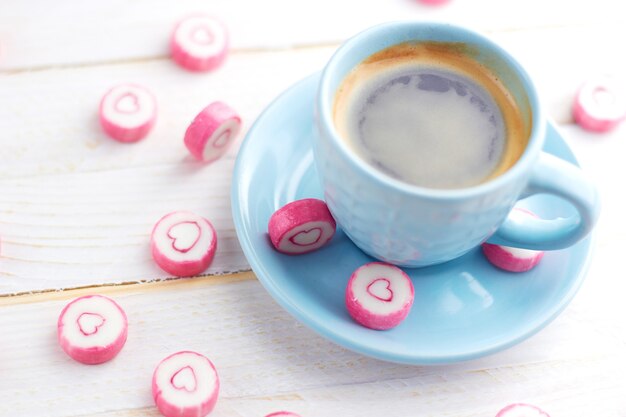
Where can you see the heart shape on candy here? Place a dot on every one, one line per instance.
(222, 139)
(380, 288)
(184, 235)
(202, 35)
(306, 237)
(185, 378)
(89, 323)
(127, 103)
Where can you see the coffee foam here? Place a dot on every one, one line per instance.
(448, 57)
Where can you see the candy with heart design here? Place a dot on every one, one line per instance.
(379, 295)
(380, 288)
(199, 43)
(127, 112)
(183, 243)
(89, 323)
(212, 132)
(301, 226)
(513, 259)
(283, 414)
(185, 378)
(600, 104)
(92, 329)
(521, 410)
(184, 235)
(185, 384)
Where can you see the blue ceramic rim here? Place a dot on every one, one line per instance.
(290, 306)
(396, 31)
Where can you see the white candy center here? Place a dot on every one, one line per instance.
(128, 106)
(128, 103)
(381, 288)
(307, 237)
(222, 139)
(202, 35)
(184, 235)
(88, 323)
(185, 379)
(603, 97)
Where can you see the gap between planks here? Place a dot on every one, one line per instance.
(124, 288)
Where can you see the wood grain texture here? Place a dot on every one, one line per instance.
(76, 209)
(38, 34)
(267, 361)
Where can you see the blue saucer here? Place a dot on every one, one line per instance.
(463, 309)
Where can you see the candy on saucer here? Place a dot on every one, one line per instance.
(379, 295)
(301, 226)
(513, 259)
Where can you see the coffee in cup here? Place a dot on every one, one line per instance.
(428, 114)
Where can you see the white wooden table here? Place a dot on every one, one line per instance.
(76, 210)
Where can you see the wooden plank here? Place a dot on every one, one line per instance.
(36, 33)
(77, 208)
(267, 361)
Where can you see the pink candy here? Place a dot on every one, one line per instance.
(185, 384)
(379, 296)
(301, 226)
(199, 43)
(600, 105)
(183, 243)
(127, 112)
(92, 329)
(434, 2)
(521, 410)
(212, 131)
(283, 414)
(513, 259)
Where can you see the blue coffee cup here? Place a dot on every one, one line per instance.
(414, 226)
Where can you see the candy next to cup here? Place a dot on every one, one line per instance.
(127, 112)
(379, 296)
(183, 243)
(301, 226)
(513, 259)
(185, 384)
(92, 329)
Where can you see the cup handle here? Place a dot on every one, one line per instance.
(560, 178)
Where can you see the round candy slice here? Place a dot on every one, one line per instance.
(212, 131)
(183, 243)
(379, 295)
(513, 259)
(199, 43)
(92, 329)
(185, 384)
(301, 226)
(127, 112)
(521, 410)
(600, 105)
